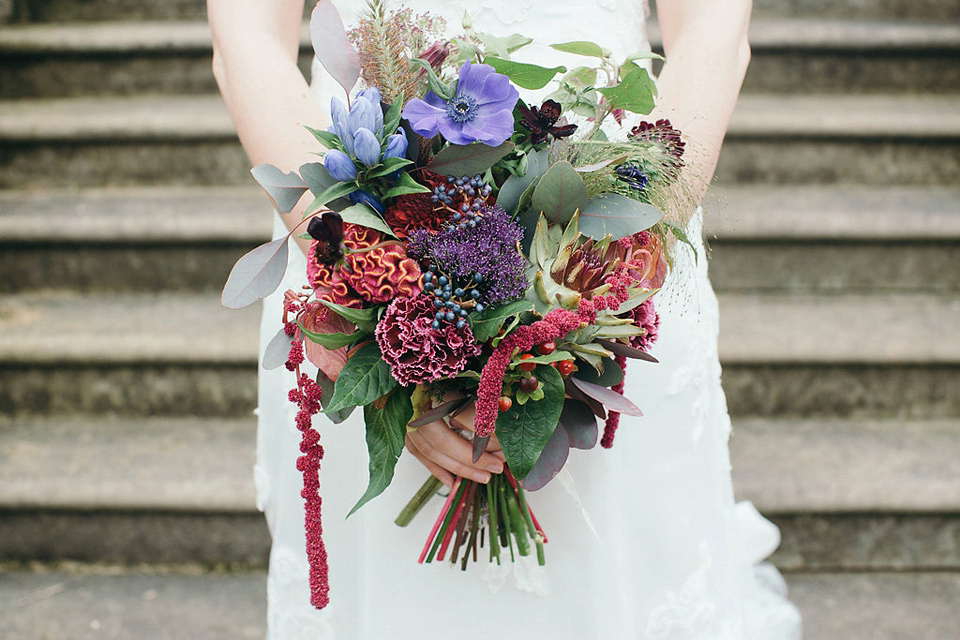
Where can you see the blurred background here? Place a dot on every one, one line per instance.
(126, 392)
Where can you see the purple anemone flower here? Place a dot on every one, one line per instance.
(481, 110)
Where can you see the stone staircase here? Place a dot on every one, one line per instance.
(126, 436)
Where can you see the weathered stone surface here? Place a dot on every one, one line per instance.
(137, 537)
(891, 606)
(107, 10)
(107, 604)
(860, 9)
(868, 542)
(837, 390)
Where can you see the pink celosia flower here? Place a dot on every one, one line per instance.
(418, 353)
(646, 317)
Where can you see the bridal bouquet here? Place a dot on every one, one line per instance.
(468, 247)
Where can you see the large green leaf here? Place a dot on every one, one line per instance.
(635, 93)
(386, 430)
(468, 160)
(560, 193)
(524, 430)
(331, 194)
(617, 215)
(522, 74)
(390, 165)
(364, 216)
(486, 324)
(364, 378)
(327, 138)
(612, 374)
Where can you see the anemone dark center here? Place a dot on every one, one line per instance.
(462, 109)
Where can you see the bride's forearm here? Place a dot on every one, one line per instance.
(707, 51)
(256, 44)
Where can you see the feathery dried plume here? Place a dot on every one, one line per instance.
(387, 41)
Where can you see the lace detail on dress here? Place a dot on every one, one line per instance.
(690, 614)
(509, 11)
(296, 619)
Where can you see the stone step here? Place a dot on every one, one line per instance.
(189, 140)
(104, 10)
(182, 354)
(789, 55)
(108, 604)
(58, 11)
(175, 491)
(835, 239)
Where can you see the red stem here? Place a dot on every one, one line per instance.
(436, 525)
(453, 526)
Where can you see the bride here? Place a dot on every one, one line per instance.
(645, 538)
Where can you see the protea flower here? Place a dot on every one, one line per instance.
(583, 268)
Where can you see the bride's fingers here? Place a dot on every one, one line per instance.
(438, 443)
(436, 470)
(464, 420)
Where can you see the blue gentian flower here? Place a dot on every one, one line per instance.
(367, 147)
(339, 165)
(396, 145)
(481, 110)
(362, 197)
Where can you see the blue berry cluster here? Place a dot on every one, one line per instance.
(472, 192)
(452, 301)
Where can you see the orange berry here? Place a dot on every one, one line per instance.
(527, 366)
(547, 347)
(565, 367)
(505, 403)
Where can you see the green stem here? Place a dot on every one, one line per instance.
(517, 526)
(441, 534)
(418, 501)
(531, 528)
(494, 526)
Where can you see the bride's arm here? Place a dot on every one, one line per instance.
(707, 52)
(255, 48)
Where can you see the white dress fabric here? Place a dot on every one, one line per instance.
(645, 540)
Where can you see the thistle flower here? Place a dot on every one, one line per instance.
(481, 109)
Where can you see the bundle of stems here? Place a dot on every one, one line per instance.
(475, 515)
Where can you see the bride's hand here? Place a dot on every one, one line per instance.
(445, 453)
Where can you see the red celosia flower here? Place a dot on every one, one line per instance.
(372, 270)
(418, 353)
(613, 417)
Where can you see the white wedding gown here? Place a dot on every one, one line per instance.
(645, 538)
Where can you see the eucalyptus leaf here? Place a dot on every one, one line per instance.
(612, 400)
(612, 374)
(487, 323)
(332, 46)
(560, 193)
(468, 160)
(365, 319)
(580, 424)
(316, 176)
(277, 350)
(581, 48)
(524, 430)
(525, 75)
(513, 188)
(285, 189)
(386, 429)
(364, 216)
(364, 378)
(617, 215)
(595, 406)
(256, 274)
(550, 462)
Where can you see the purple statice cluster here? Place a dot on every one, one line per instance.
(483, 255)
